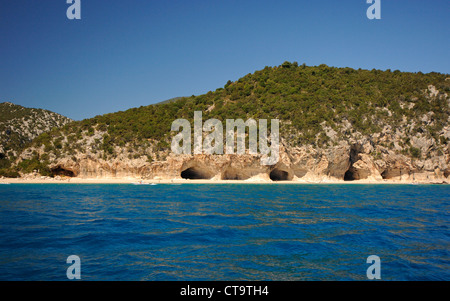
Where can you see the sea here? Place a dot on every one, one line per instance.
(224, 232)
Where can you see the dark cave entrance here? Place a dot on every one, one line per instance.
(59, 171)
(446, 173)
(279, 175)
(350, 175)
(195, 173)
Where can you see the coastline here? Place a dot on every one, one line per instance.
(130, 180)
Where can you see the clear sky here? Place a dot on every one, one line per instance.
(128, 53)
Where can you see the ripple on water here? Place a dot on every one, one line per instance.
(224, 232)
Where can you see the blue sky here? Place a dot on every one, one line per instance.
(125, 54)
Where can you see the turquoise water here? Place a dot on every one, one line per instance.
(224, 232)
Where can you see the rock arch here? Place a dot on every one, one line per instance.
(196, 171)
(392, 173)
(231, 173)
(280, 174)
(62, 171)
(351, 175)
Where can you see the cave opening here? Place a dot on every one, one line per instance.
(446, 173)
(233, 175)
(279, 175)
(349, 175)
(59, 171)
(392, 173)
(195, 173)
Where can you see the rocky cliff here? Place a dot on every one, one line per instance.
(20, 125)
(336, 124)
(347, 161)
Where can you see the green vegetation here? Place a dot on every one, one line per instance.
(35, 164)
(415, 152)
(18, 127)
(307, 96)
(305, 99)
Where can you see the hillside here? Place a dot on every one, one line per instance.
(20, 125)
(334, 123)
(168, 101)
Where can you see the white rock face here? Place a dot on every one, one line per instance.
(29, 123)
(401, 150)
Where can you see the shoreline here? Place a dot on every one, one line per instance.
(185, 181)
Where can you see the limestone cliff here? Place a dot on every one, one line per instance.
(20, 125)
(346, 161)
(336, 124)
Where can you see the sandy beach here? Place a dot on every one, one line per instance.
(129, 180)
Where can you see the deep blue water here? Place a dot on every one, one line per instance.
(224, 232)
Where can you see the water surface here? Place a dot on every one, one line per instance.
(224, 232)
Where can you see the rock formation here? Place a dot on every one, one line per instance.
(398, 137)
